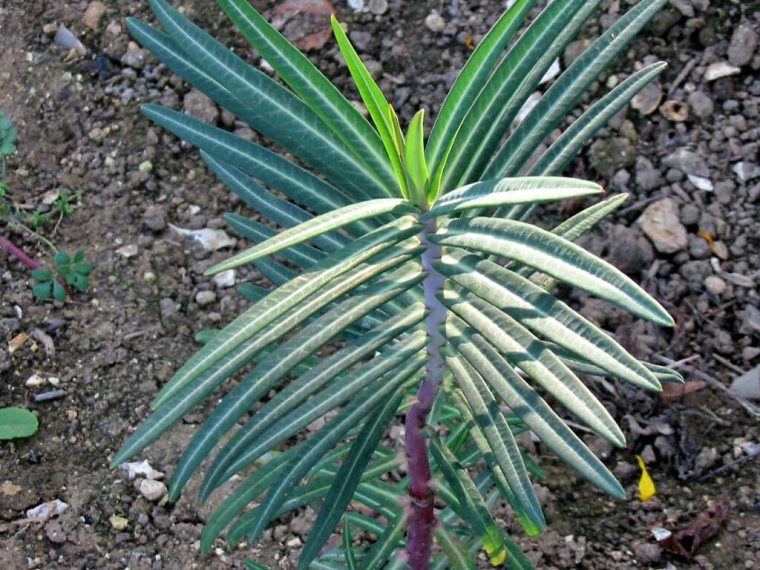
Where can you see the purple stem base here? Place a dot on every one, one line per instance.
(422, 515)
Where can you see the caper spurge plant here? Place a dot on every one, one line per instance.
(416, 255)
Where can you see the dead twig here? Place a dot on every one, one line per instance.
(728, 364)
(715, 383)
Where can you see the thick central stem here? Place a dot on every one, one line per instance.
(422, 515)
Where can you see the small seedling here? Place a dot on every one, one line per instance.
(73, 272)
(68, 272)
(16, 423)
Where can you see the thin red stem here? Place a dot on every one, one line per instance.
(11, 248)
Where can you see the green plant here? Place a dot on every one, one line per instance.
(68, 272)
(16, 423)
(8, 135)
(73, 272)
(419, 260)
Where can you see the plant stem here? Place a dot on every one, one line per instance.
(422, 515)
(11, 248)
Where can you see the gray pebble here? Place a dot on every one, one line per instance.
(743, 45)
(204, 298)
(689, 215)
(661, 223)
(647, 553)
(701, 105)
(435, 22)
(715, 285)
(155, 218)
(201, 107)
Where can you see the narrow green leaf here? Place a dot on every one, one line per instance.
(570, 142)
(544, 314)
(285, 298)
(302, 255)
(508, 191)
(214, 368)
(316, 226)
(386, 543)
(474, 510)
(525, 351)
(317, 445)
(491, 421)
(512, 82)
(323, 402)
(281, 212)
(555, 256)
(256, 161)
(348, 547)
(457, 553)
(297, 128)
(374, 100)
(312, 86)
(280, 363)
(532, 409)
(347, 479)
(416, 165)
(471, 80)
(300, 390)
(567, 90)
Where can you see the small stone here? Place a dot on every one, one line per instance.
(152, 490)
(378, 7)
(118, 523)
(701, 183)
(35, 380)
(743, 45)
(136, 468)
(746, 171)
(715, 285)
(701, 105)
(687, 162)
(750, 352)
(93, 14)
(155, 218)
(128, 251)
(648, 99)
(209, 238)
(647, 553)
(698, 248)
(434, 22)
(690, 215)
(204, 298)
(145, 166)
(661, 223)
(356, 5)
(719, 70)
(9, 489)
(720, 250)
(647, 176)
(198, 105)
(135, 56)
(609, 156)
(706, 458)
(225, 279)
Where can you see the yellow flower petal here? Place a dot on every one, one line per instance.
(647, 489)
